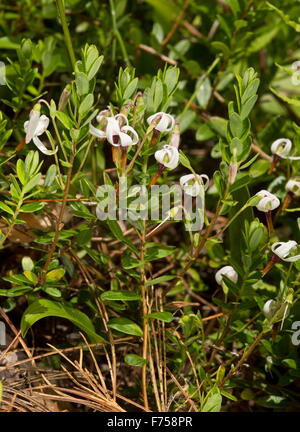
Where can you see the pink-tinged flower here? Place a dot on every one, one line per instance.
(116, 131)
(36, 126)
(168, 156)
(268, 201)
(165, 123)
(282, 147)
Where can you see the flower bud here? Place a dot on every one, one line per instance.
(64, 98)
(192, 184)
(165, 124)
(168, 156)
(293, 186)
(269, 308)
(268, 201)
(227, 271)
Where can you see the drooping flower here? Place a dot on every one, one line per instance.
(192, 184)
(278, 310)
(282, 147)
(36, 126)
(293, 186)
(165, 124)
(268, 201)
(168, 156)
(116, 130)
(269, 308)
(227, 271)
(286, 251)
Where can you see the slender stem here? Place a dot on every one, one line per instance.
(117, 33)
(200, 81)
(68, 42)
(59, 220)
(84, 158)
(244, 357)
(145, 319)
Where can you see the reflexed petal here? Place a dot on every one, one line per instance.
(172, 156)
(112, 129)
(122, 116)
(165, 124)
(124, 140)
(97, 132)
(31, 125)
(42, 148)
(42, 125)
(130, 129)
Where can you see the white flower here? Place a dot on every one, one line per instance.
(36, 126)
(167, 156)
(282, 148)
(165, 124)
(284, 249)
(227, 271)
(276, 310)
(293, 186)
(268, 201)
(116, 133)
(192, 184)
(269, 308)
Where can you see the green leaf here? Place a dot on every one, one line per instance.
(213, 401)
(264, 39)
(7, 209)
(218, 124)
(159, 280)
(31, 276)
(82, 83)
(130, 89)
(204, 92)
(125, 325)
(42, 308)
(95, 67)
(86, 105)
(64, 119)
(32, 183)
(20, 168)
(15, 292)
(236, 125)
(120, 295)
(286, 18)
(32, 207)
(52, 291)
(134, 360)
(161, 316)
(290, 101)
(55, 275)
(247, 106)
(117, 232)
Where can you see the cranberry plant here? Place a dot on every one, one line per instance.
(180, 264)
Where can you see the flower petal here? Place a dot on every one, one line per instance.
(96, 132)
(42, 148)
(42, 125)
